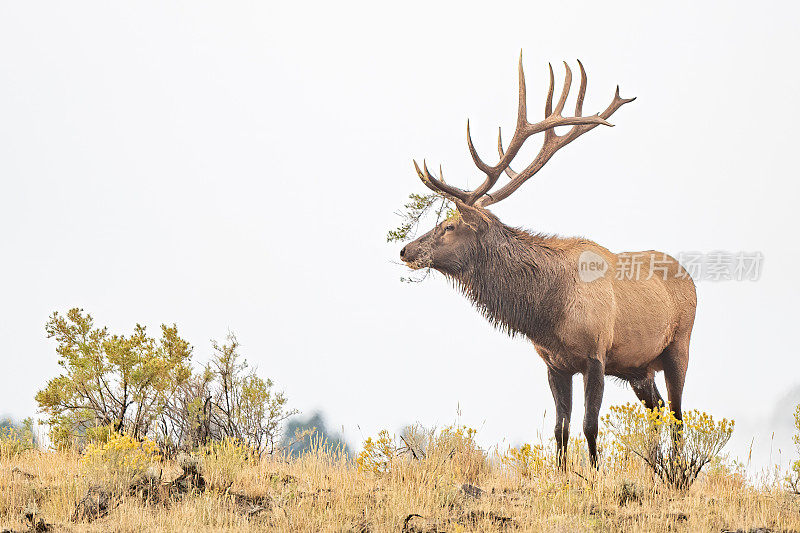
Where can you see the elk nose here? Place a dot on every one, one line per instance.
(403, 251)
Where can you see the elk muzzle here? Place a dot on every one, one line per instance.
(413, 255)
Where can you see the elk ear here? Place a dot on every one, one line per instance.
(473, 216)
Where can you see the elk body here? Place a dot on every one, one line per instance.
(585, 309)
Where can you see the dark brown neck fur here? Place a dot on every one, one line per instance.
(518, 281)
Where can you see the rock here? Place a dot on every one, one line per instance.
(283, 479)
(191, 477)
(17, 470)
(362, 527)
(473, 517)
(415, 523)
(95, 504)
(472, 490)
(628, 492)
(751, 530)
(148, 487)
(250, 505)
(37, 524)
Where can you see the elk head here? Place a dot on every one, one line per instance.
(450, 246)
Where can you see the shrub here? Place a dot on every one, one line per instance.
(793, 478)
(675, 450)
(244, 406)
(616, 456)
(451, 452)
(119, 459)
(525, 461)
(455, 452)
(16, 439)
(226, 400)
(109, 380)
(145, 387)
(377, 455)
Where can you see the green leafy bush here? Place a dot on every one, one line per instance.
(109, 380)
(145, 387)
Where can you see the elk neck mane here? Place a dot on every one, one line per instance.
(519, 280)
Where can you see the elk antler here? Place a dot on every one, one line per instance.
(524, 130)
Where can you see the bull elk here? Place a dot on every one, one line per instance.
(531, 284)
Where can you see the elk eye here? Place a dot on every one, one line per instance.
(449, 227)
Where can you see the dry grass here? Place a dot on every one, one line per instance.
(323, 492)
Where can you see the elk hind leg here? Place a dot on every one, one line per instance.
(675, 360)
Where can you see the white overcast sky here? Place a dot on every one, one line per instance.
(236, 165)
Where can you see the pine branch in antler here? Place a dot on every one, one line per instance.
(416, 210)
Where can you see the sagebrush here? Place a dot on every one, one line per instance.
(146, 387)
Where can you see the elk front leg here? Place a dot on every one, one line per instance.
(593, 382)
(561, 386)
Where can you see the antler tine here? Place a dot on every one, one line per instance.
(474, 153)
(438, 186)
(423, 178)
(562, 100)
(511, 174)
(615, 104)
(430, 177)
(548, 103)
(581, 91)
(522, 107)
(565, 91)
